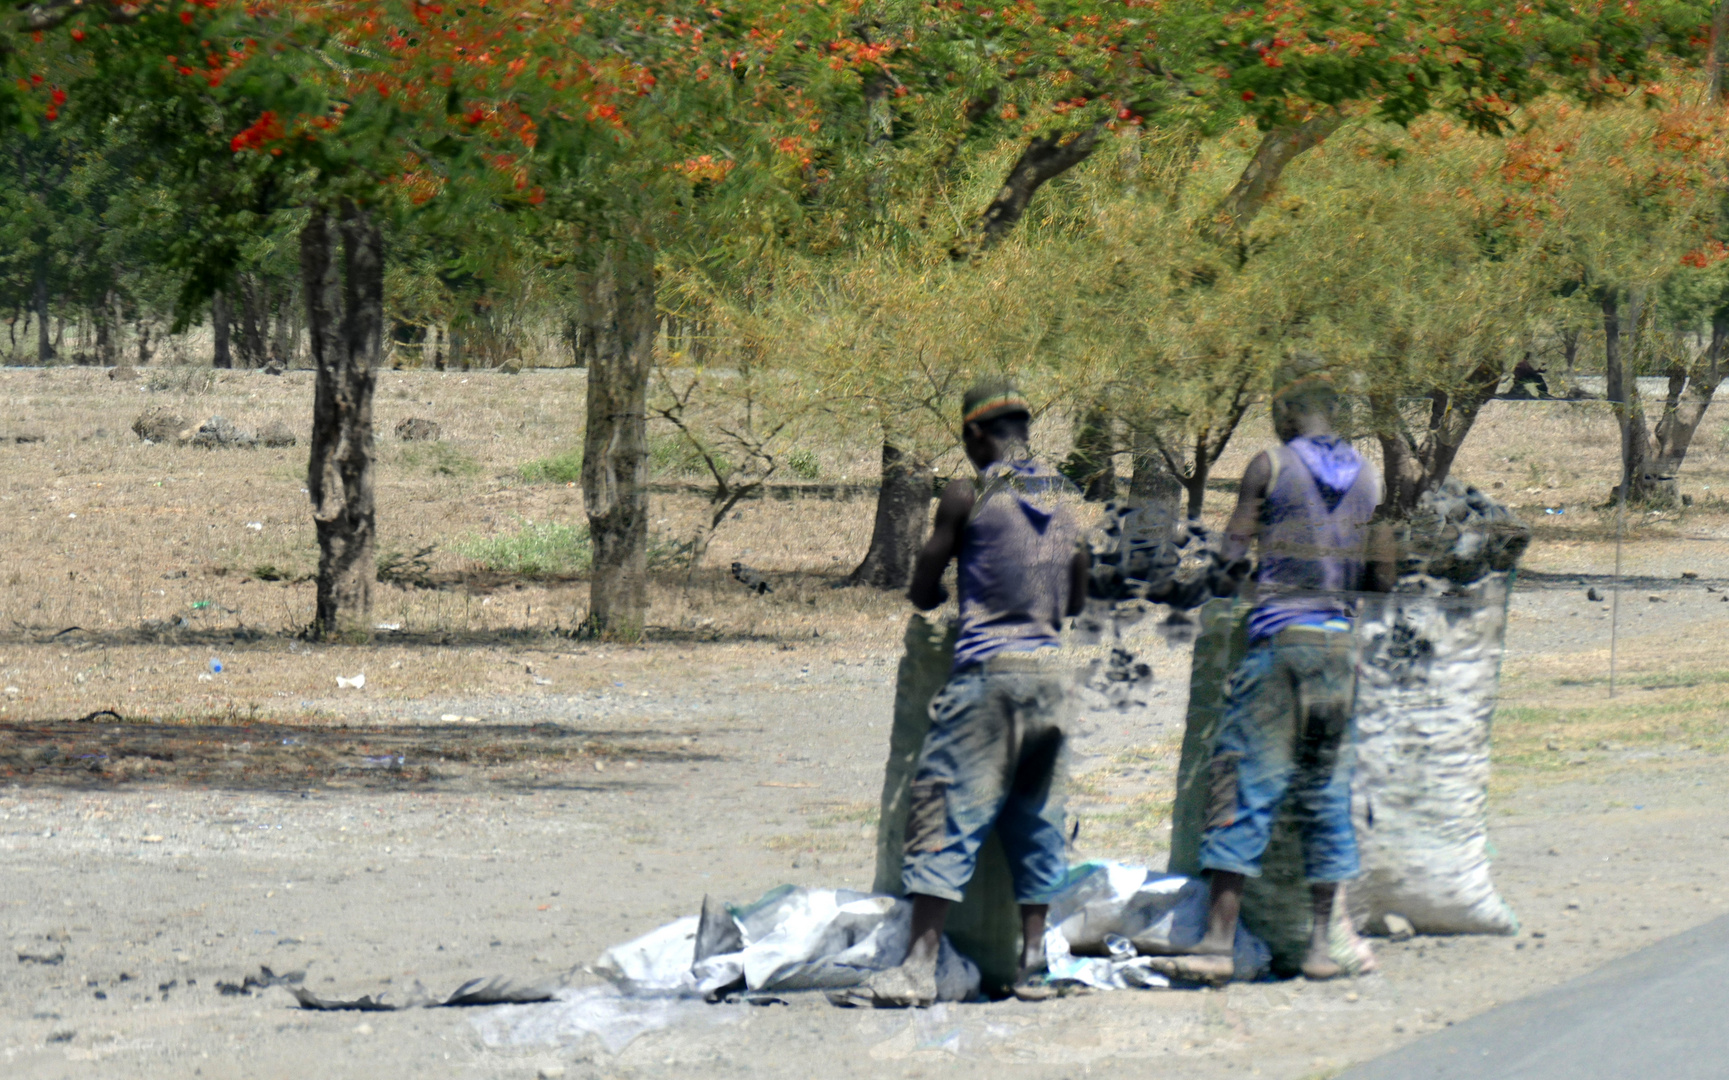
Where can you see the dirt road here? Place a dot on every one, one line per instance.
(729, 770)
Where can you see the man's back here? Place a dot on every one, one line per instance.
(1314, 533)
(1015, 562)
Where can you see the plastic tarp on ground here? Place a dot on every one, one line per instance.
(819, 939)
(792, 939)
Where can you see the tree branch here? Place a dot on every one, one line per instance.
(1045, 158)
(1260, 177)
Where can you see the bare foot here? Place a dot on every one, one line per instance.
(1321, 967)
(907, 986)
(1034, 985)
(1211, 970)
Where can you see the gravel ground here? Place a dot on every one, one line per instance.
(730, 770)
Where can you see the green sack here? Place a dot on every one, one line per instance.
(985, 926)
(1276, 905)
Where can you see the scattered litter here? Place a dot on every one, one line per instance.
(255, 526)
(343, 682)
(309, 1000)
(388, 626)
(200, 605)
(490, 991)
(1594, 596)
(496, 991)
(751, 579)
(1553, 510)
(53, 959)
(215, 666)
(538, 681)
(205, 676)
(261, 981)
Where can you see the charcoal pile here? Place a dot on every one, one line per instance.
(1144, 552)
(1455, 538)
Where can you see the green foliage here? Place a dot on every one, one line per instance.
(543, 549)
(678, 455)
(803, 464)
(564, 468)
(439, 459)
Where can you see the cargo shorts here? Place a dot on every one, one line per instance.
(995, 758)
(1286, 734)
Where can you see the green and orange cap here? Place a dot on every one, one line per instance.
(992, 398)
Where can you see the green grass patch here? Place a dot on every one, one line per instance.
(565, 468)
(439, 459)
(668, 455)
(535, 549)
(803, 464)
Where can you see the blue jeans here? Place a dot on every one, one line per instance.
(994, 758)
(1286, 733)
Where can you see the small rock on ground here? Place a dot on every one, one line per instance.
(416, 429)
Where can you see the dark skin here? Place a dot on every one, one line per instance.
(1212, 955)
(926, 592)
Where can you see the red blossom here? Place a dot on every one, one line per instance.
(267, 128)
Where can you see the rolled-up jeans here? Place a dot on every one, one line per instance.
(994, 757)
(1286, 733)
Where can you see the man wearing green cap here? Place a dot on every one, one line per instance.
(992, 758)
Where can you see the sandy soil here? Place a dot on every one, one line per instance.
(499, 800)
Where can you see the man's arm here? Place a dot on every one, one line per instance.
(1245, 523)
(1080, 569)
(926, 591)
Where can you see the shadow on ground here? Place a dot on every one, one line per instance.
(101, 753)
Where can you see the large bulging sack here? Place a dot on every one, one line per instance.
(1426, 689)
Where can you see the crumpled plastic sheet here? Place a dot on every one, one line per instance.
(1101, 928)
(605, 1012)
(794, 939)
(1110, 916)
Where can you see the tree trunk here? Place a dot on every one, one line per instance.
(107, 345)
(903, 511)
(345, 324)
(1411, 467)
(1196, 482)
(620, 310)
(1091, 465)
(281, 345)
(1688, 398)
(253, 322)
(220, 321)
(44, 347)
(1153, 482)
(1622, 389)
(1716, 89)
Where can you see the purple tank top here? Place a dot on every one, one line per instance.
(1314, 534)
(1015, 556)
